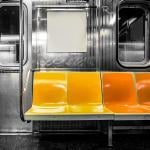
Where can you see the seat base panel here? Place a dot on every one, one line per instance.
(69, 113)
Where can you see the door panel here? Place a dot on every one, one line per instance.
(9, 61)
(9, 104)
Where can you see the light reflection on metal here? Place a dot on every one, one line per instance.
(26, 82)
(112, 20)
(63, 60)
(9, 38)
(7, 47)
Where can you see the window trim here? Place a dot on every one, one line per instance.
(25, 10)
(145, 62)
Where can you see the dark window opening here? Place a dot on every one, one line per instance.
(9, 35)
(133, 29)
(9, 20)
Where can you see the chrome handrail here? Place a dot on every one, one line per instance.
(21, 61)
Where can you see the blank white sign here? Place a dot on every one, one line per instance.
(67, 31)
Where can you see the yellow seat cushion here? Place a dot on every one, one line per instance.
(50, 88)
(84, 92)
(49, 93)
(88, 109)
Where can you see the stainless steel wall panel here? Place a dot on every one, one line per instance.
(107, 34)
(62, 60)
(9, 104)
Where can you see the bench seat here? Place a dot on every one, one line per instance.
(67, 95)
(120, 96)
(83, 95)
(48, 113)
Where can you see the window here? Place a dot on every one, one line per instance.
(9, 35)
(133, 36)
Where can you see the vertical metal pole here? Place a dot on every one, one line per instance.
(110, 133)
(98, 4)
(21, 61)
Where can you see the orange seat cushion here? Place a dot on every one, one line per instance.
(143, 88)
(119, 91)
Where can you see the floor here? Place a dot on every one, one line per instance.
(74, 142)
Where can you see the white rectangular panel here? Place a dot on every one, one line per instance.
(67, 31)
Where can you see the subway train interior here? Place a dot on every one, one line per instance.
(74, 74)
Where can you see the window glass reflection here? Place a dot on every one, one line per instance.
(132, 34)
